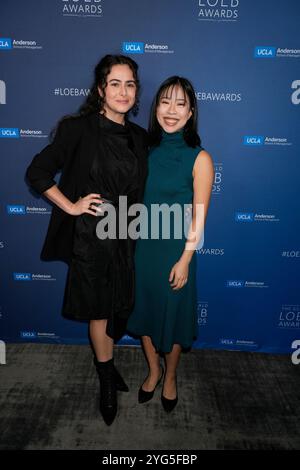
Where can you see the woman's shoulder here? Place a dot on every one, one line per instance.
(203, 159)
(201, 152)
(69, 123)
(75, 125)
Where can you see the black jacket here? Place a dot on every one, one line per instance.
(72, 151)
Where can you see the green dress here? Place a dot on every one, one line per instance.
(167, 316)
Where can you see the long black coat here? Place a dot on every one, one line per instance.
(72, 151)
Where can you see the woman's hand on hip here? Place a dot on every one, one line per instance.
(85, 205)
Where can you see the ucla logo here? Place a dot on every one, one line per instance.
(265, 52)
(235, 283)
(253, 140)
(227, 341)
(9, 132)
(22, 277)
(244, 217)
(5, 43)
(133, 47)
(16, 210)
(28, 334)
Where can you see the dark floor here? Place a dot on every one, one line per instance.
(227, 400)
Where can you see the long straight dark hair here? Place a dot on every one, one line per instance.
(190, 132)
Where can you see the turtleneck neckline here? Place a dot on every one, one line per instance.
(108, 124)
(172, 136)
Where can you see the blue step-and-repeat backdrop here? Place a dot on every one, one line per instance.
(243, 57)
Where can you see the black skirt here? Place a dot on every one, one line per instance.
(100, 282)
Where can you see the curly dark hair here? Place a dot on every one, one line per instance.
(94, 102)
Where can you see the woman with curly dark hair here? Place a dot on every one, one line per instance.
(102, 156)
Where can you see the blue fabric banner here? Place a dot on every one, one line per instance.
(243, 59)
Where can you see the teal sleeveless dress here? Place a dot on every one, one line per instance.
(167, 316)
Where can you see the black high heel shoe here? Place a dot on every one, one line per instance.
(169, 405)
(144, 396)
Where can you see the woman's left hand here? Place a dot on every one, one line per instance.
(179, 275)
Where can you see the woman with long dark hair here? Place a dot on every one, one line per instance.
(180, 177)
(102, 156)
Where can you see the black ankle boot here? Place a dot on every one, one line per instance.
(120, 383)
(108, 404)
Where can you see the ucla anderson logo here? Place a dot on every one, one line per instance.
(235, 283)
(5, 43)
(244, 217)
(22, 277)
(270, 52)
(16, 210)
(253, 140)
(143, 47)
(265, 52)
(133, 47)
(256, 140)
(28, 334)
(9, 133)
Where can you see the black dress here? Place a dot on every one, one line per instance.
(100, 281)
